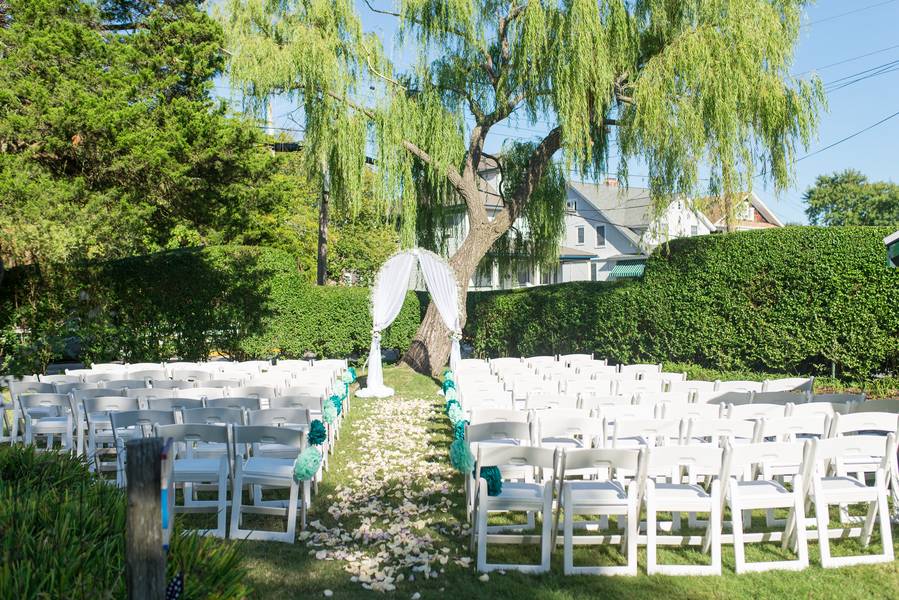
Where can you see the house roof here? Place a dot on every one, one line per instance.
(575, 254)
(891, 239)
(628, 207)
(713, 207)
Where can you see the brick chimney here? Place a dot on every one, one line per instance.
(611, 181)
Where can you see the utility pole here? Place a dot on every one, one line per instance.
(322, 271)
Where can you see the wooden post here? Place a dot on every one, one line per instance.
(144, 556)
(322, 267)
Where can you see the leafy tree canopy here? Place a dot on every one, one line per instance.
(110, 144)
(848, 198)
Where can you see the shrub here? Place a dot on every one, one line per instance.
(62, 534)
(780, 300)
(242, 302)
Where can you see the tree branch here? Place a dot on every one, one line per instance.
(537, 164)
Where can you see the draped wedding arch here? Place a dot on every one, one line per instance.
(387, 297)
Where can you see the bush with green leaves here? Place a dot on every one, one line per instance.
(241, 302)
(63, 536)
(792, 300)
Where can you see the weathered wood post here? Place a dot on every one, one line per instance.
(144, 554)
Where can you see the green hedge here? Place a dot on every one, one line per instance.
(63, 536)
(778, 300)
(241, 302)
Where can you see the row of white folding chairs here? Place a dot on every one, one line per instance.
(624, 483)
(258, 457)
(581, 428)
(68, 417)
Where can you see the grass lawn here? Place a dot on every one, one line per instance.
(292, 571)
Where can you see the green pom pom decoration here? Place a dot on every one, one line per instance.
(317, 433)
(459, 429)
(346, 378)
(494, 480)
(337, 402)
(451, 394)
(461, 457)
(307, 463)
(449, 385)
(329, 412)
(455, 413)
(352, 372)
(449, 376)
(447, 371)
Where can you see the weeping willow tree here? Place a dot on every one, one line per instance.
(683, 84)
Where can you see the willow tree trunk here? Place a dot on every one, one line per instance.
(430, 349)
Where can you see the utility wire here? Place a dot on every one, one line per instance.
(849, 137)
(847, 13)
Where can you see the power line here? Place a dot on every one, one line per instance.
(847, 13)
(846, 60)
(849, 137)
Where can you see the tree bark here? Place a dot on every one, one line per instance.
(429, 350)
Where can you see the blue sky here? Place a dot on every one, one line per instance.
(834, 31)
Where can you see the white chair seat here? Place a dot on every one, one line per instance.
(597, 493)
(50, 425)
(268, 467)
(846, 489)
(684, 497)
(762, 494)
(518, 496)
(192, 469)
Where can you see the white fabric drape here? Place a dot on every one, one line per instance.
(441, 282)
(387, 299)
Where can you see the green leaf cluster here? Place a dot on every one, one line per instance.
(64, 535)
(110, 144)
(790, 300)
(240, 302)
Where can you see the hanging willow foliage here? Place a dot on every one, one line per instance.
(688, 84)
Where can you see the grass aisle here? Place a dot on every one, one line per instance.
(390, 516)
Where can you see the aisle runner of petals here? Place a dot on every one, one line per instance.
(394, 505)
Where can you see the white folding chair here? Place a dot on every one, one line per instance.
(47, 417)
(516, 496)
(493, 415)
(605, 494)
(680, 410)
(676, 495)
(830, 486)
(267, 472)
(127, 425)
(190, 471)
(567, 431)
(637, 370)
(739, 386)
(630, 433)
(17, 388)
(744, 493)
(789, 384)
(100, 437)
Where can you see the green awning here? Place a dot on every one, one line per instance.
(627, 268)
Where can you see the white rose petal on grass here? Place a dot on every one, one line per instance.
(485, 578)
(328, 593)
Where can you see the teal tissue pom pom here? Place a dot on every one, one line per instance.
(448, 376)
(352, 373)
(449, 384)
(455, 413)
(346, 378)
(459, 429)
(307, 463)
(451, 394)
(449, 404)
(461, 457)
(494, 480)
(317, 433)
(447, 371)
(329, 412)
(337, 403)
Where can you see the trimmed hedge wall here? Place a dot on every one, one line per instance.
(793, 299)
(241, 302)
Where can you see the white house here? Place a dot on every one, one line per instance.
(609, 232)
